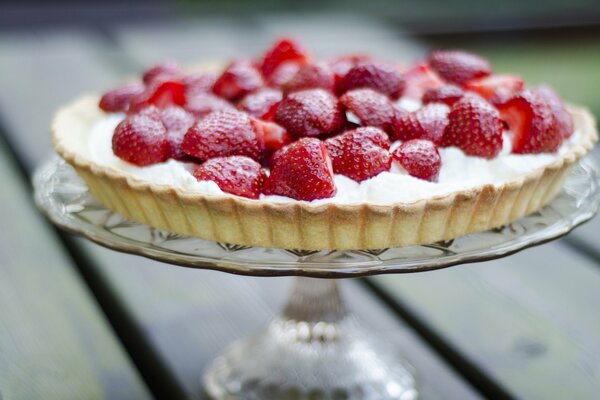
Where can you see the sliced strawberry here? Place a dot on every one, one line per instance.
(261, 103)
(222, 134)
(532, 123)
(237, 175)
(312, 76)
(167, 69)
(310, 113)
(285, 50)
(419, 79)
(177, 121)
(384, 78)
(475, 127)
(447, 94)
(161, 93)
(360, 154)
(496, 88)
(271, 136)
(202, 104)
(458, 66)
(420, 158)
(199, 83)
(118, 99)
(141, 139)
(239, 78)
(371, 108)
(564, 120)
(302, 171)
(428, 122)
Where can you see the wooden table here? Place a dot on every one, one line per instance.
(81, 322)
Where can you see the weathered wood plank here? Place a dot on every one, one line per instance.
(54, 341)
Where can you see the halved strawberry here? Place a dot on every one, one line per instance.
(285, 50)
(261, 103)
(475, 127)
(312, 76)
(161, 93)
(371, 108)
(177, 121)
(360, 154)
(496, 88)
(428, 122)
(564, 120)
(202, 104)
(239, 78)
(458, 66)
(271, 136)
(165, 70)
(447, 94)
(141, 139)
(384, 78)
(221, 134)
(419, 79)
(118, 99)
(310, 112)
(420, 158)
(237, 175)
(532, 124)
(302, 171)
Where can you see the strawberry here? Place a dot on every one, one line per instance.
(199, 83)
(167, 69)
(310, 112)
(270, 136)
(496, 88)
(420, 158)
(371, 108)
(285, 50)
(447, 94)
(428, 122)
(302, 171)
(222, 134)
(177, 121)
(341, 65)
(419, 79)
(458, 66)
(202, 104)
(564, 120)
(360, 154)
(141, 139)
(532, 123)
(283, 74)
(161, 93)
(312, 76)
(237, 175)
(239, 78)
(381, 77)
(261, 103)
(118, 99)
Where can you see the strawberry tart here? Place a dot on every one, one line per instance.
(350, 152)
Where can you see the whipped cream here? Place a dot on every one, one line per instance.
(458, 172)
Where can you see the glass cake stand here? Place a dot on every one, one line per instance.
(314, 349)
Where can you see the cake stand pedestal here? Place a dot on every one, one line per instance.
(315, 349)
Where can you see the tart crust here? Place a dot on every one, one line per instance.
(302, 225)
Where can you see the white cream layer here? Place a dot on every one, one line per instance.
(458, 172)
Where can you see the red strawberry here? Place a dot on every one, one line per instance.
(285, 50)
(221, 134)
(312, 76)
(237, 175)
(271, 136)
(458, 66)
(239, 78)
(419, 79)
(141, 139)
(118, 99)
(474, 126)
(160, 93)
(167, 69)
(371, 108)
(199, 83)
(360, 154)
(283, 74)
(532, 123)
(310, 112)
(202, 104)
(447, 94)
(261, 103)
(564, 120)
(381, 77)
(428, 122)
(420, 158)
(177, 121)
(496, 88)
(341, 65)
(302, 171)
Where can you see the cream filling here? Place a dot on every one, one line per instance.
(458, 172)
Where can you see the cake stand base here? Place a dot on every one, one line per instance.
(314, 350)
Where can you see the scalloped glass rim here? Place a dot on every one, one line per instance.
(65, 199)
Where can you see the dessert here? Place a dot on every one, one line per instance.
(347, 153)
